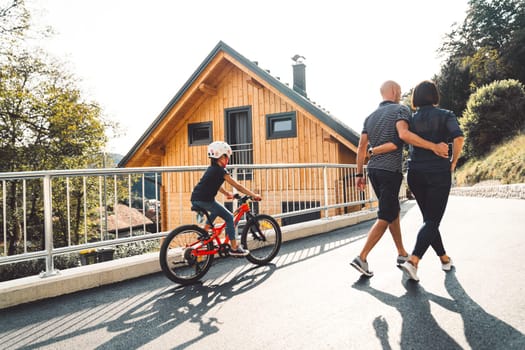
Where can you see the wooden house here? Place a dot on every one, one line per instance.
(265, 121)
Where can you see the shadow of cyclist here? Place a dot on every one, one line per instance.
(153, 318)
(147, 314)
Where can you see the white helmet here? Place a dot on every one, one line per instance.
(218, 148)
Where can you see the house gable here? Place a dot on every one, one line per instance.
(226, 79)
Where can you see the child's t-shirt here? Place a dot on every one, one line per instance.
(209, 184)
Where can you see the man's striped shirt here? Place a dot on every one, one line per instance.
(381, 128)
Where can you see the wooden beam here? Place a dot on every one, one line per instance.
(156, 149)
(255, 83)
(207, 89)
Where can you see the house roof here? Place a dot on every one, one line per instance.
(125, 217)
(341, 128)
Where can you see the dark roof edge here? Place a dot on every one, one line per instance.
(170, 105)
(329, 120)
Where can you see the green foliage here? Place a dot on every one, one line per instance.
(494, 112)
(489, 24)
(35, 267)
(506, 163)
(45, 124)
(487, 46)
(485, 66)
(137, 248)
(454, 85)
(67, 261)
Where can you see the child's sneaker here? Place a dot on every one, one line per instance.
(361, 266)
(240, 251)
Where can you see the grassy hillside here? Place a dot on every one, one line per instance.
(505, 163)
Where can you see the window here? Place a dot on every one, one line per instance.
(199, 133)
(281, 125)
(238, 134)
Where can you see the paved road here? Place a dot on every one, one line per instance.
(310, 298)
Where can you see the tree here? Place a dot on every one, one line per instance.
(489, 24)
(513, 55)
(487, 46)
(44, 124)
(14, 22)
(494, 112)
(454, 85)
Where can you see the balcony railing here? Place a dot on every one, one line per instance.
(50, 213)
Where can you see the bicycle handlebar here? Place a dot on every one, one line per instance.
(242, 199)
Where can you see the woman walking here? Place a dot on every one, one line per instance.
(429, 176)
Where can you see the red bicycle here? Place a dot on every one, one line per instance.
(188, 252)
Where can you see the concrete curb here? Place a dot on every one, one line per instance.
(29, 289)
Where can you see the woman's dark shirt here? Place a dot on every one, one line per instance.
(209, 184)
(435, 125)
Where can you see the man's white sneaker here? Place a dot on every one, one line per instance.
(401, 259)
(410, 270)
(361, 266)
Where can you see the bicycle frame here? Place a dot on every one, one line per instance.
(189, 250)
(201, 249)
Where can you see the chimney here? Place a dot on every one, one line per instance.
(299, 76)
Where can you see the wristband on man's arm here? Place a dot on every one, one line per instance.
(359, 175)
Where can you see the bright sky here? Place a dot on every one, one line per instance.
(133, 56)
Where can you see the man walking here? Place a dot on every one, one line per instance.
(385, 150)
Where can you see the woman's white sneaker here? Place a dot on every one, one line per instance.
(447, 266)
(410, 270)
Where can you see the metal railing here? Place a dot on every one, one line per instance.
(50, 213)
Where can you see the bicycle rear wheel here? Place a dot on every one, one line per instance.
(262, 237)
(177, 258)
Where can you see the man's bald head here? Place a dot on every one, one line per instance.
(391, 91)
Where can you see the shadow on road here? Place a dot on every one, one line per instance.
(482, 330)
(420, 330)
(137, 312)
(132, 314)
(139, 321)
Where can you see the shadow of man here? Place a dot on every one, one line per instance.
(482, 330)
(419, 329)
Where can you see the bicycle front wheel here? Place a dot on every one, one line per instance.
(178, 258)
(262, 237)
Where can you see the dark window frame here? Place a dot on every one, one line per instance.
(194, 126)
(272, 118)
(241, 140)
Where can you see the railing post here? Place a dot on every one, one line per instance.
(48, 227)
(325, 184)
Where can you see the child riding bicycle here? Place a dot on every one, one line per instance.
(204, 193)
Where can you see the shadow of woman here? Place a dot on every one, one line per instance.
(419, 329)
(482, 330)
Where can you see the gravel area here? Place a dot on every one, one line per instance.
(491, 189)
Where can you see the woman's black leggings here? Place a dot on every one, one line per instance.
(431, 191)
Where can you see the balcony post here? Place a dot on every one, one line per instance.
(325, 184)
(48, 227)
